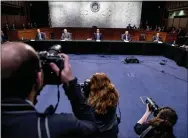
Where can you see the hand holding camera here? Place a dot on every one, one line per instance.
(148, 109)
(55, 65)
(66, 73)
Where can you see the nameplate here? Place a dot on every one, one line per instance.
(62, 40)
(32, 40)
(159, 42)
(126, 41)
(98, 40)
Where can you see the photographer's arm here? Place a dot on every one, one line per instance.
(85, 121)
(79, 106)
(144, 118)
(140, 125)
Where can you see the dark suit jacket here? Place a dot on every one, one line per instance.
(43, 36)
(95, 36)
(155, 38)
(124, 37)
(21, 120)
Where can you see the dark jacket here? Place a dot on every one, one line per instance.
(155, 38)
(21, 120)
(124, 37)
(107, 124)
(43, 36)
(140, 128)
(95, 36)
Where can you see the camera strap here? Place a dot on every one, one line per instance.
(51, 109)
(119, 117)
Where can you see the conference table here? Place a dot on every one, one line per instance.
(179, 55)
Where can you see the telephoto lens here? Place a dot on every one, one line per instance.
(152, 105)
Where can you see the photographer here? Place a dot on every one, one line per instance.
(161, 126)
(22, 80)
(103, 97)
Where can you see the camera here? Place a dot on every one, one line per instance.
(51, 56)
(152, 106)
(85, 88)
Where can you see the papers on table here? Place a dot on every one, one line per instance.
(32, 40)
(160, 42)
(98, 40)
(62, 40)
(126, 41)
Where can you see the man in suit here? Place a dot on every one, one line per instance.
(98, 35)
(66, 35)
(126, 36)
(157, 38)
(40, 35)
(22, 80)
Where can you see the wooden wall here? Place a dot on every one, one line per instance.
(175, 20)
(18, 16)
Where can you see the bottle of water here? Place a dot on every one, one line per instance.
(22, 38)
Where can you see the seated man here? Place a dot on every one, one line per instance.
(157, 38)
(24, 74)
(66, 35)
(40, 35)
(98, 35)
(126, 36)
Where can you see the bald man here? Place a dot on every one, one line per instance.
(22, 81)
(66, 35)
(157, 38)
(40, 35)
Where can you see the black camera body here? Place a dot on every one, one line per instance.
(152, 106)
(51, 56)
(85, 88)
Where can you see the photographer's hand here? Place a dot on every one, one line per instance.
(145, 116)
(148, 111)
(66, 73)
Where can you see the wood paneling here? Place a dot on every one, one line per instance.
(170, 23)
(83, 33)
(19, 19)
(176, 22)
(183, 22)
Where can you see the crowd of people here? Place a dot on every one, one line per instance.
(93, 116)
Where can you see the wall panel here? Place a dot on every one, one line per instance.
(183, 22)
(110, 14)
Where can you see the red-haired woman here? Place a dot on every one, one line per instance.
(103, 97)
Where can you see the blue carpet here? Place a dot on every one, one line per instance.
(132, 81)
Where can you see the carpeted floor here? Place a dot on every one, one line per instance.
(167, 88)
